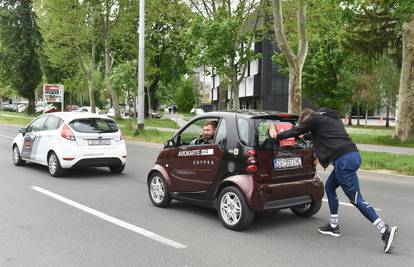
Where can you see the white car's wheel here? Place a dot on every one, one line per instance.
(17, 158)
(53, 163)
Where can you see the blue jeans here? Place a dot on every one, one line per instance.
(344, 175)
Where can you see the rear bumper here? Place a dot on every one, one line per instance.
(287, 195)
(77, 157)
(262, 196)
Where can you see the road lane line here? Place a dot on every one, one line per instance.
(6, 136)
(111, 219)
(347, 204)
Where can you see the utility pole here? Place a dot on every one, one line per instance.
(141, 75)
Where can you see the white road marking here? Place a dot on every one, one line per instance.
(346, 204)
(6, 136)
(111, 219)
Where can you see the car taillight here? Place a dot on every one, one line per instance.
(251, 161)
(67, 133)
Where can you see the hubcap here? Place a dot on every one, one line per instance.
(303, 208)
(52, 164)
(16, 154)
(230, 208)
(157, 189)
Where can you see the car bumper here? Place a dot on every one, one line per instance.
(262, 196)
(77, 157)
(286, 195)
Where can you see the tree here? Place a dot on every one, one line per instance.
(388, 80)
(70, 41)
(20, 42)
(295, 61)
(405, 123)
(234, 28)
(186, 95)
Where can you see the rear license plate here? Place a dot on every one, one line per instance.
(284, 163)
(99, 142)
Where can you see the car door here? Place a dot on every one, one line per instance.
(194, 167)
(46, 136)
(31, 138)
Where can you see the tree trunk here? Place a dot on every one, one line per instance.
(295, 61)
(31, 107)
(358, 113)
(222, 94)
(366, 116)
(350, 117)
(295, 90)
(235, 94)
(405, 124)
(149, 102)
(108, 63)
(387, 121)
(91, 94)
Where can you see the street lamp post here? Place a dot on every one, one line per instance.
(141, 73)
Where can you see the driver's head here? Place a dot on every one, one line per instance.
(209, 129)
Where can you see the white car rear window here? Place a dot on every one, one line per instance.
(94, 125)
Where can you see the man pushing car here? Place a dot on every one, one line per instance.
(333, 145)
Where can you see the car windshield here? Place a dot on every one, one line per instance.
(262, 129)
(94, 125)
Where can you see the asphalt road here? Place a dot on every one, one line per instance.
(93, 218)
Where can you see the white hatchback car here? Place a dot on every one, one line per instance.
(63, 140)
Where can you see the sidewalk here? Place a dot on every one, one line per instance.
(388, 149)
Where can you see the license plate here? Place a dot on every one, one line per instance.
(99, 142)
(284, 163)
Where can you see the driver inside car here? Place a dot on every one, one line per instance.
(207, 137)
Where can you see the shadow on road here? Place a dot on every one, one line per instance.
(77, 173)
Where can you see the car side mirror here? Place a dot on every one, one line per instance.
(22, 131)
(169, 143)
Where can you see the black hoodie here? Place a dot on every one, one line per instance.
(329, 137)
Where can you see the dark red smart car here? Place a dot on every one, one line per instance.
(241, 171)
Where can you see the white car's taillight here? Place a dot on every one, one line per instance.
(67, 133)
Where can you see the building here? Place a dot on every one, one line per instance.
(263, 87)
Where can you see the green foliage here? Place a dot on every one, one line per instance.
(186, 96)
(20, 42)
(388, 161)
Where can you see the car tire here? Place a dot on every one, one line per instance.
(307, 210)
(16, 156)
(158, 190)
(230, 200)
(53, 164)
(117, 169)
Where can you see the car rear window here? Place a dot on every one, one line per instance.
(94, 125)
(262, 128)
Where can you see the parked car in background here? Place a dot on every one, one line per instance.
(87, 109)
(197, 111)
(9, 107)
(64, 140)
(21, 108)
(72, 107)
(155, 114)
(48, 108)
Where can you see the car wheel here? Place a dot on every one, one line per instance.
(117, 169)
(158, 191)
(233, 210)
(308, 210)
(53, 163)
(17, 158)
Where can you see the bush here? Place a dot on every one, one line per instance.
(186, 95)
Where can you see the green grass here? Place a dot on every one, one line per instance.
(148, 135)
(15, 118)
(388, 161)
(376, 135)
(163, 123)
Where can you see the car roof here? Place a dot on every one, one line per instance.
(249, 114)
(68, 116)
